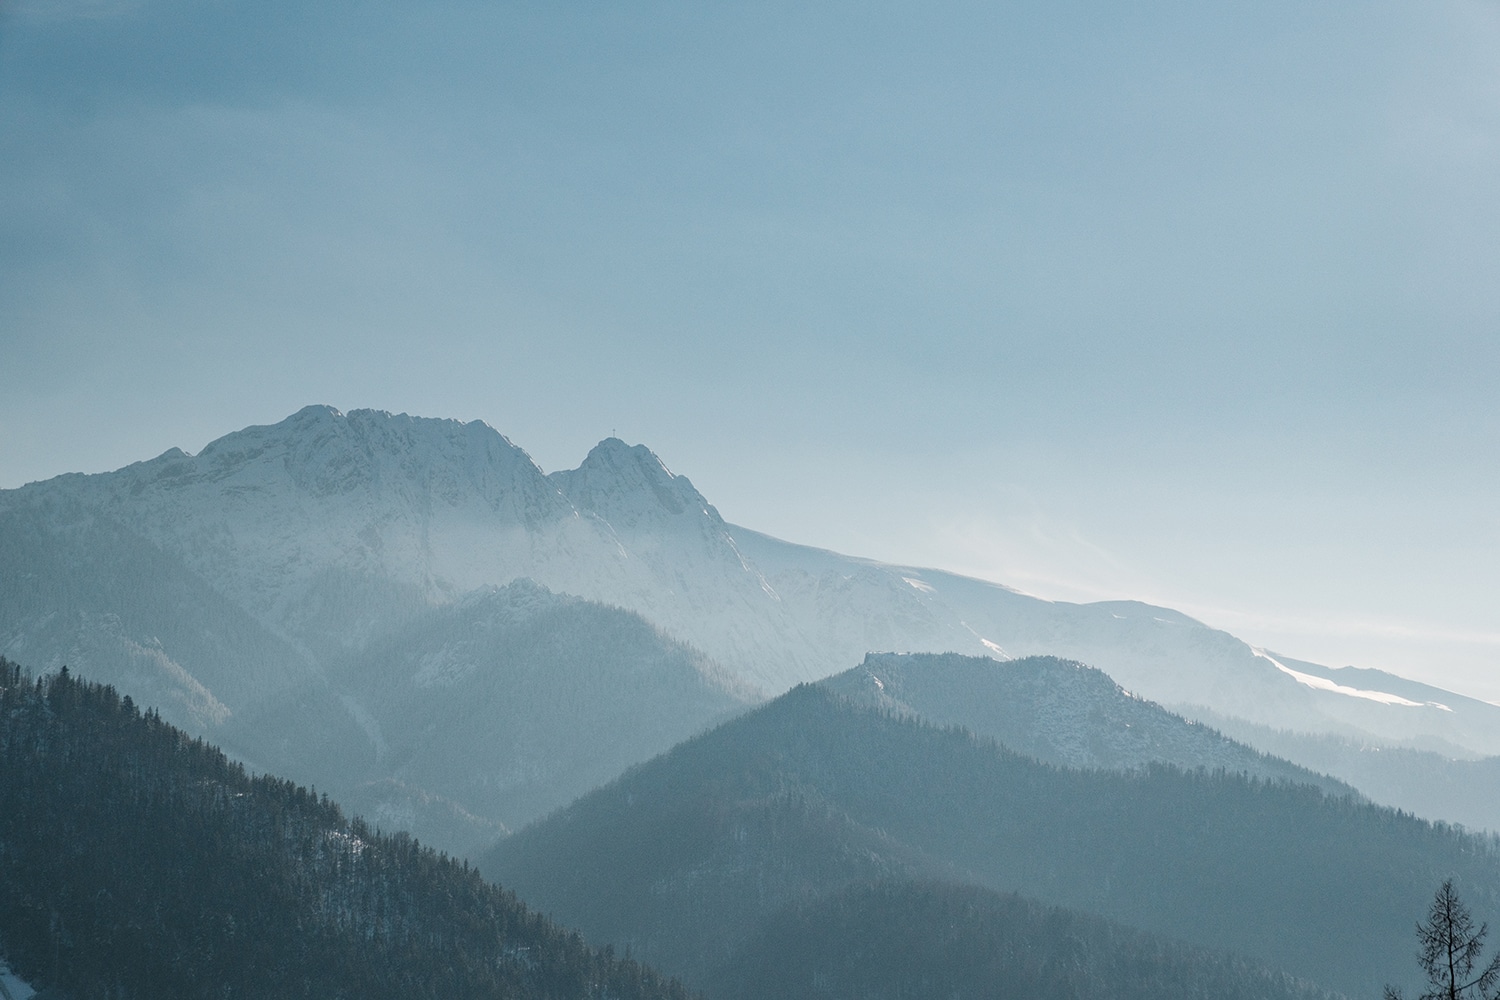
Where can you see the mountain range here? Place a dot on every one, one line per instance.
(344, 598)
(772, 770)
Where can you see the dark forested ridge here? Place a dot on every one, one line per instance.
(891, 940)
(683, 858)
(137, 862)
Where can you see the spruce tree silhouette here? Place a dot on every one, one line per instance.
(1450, 952)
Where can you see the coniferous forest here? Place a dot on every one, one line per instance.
(892, 939)
(137, 862)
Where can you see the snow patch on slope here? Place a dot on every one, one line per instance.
(367, 723)
(1323, 684)
(12, 986)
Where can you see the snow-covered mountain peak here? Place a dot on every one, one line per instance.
(296, 521)
(630, 487)
(324, 452)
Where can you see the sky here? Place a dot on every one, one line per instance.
(1187, 303)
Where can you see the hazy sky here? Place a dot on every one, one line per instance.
(1192, 303)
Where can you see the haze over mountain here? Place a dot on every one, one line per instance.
(282, 592)
(1166, 330)
(503, 705)
(285, 564)
(409, 613)
(1059, 712)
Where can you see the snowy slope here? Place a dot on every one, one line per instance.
(330, 528)
(701, 587)
(324, 526)
(12, 986)
(80, 589)
(1154, 652)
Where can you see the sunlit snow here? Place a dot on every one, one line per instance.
(1324, 684)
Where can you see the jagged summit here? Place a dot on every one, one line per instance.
(324, 451)
(320, 452)
(328, 523)
(627, 485)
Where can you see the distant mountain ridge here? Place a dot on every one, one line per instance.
(281, 555)
(1060, 712)
(1158, 653)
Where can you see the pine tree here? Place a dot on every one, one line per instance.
(1450, 952)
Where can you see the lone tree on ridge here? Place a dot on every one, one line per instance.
(1450, 953)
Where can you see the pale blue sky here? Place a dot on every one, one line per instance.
(1193, 303)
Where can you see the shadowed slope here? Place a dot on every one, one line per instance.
(891, 940)
(800, 796)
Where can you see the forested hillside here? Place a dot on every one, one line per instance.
(892, 940)
(136, 862)
(683, 858)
